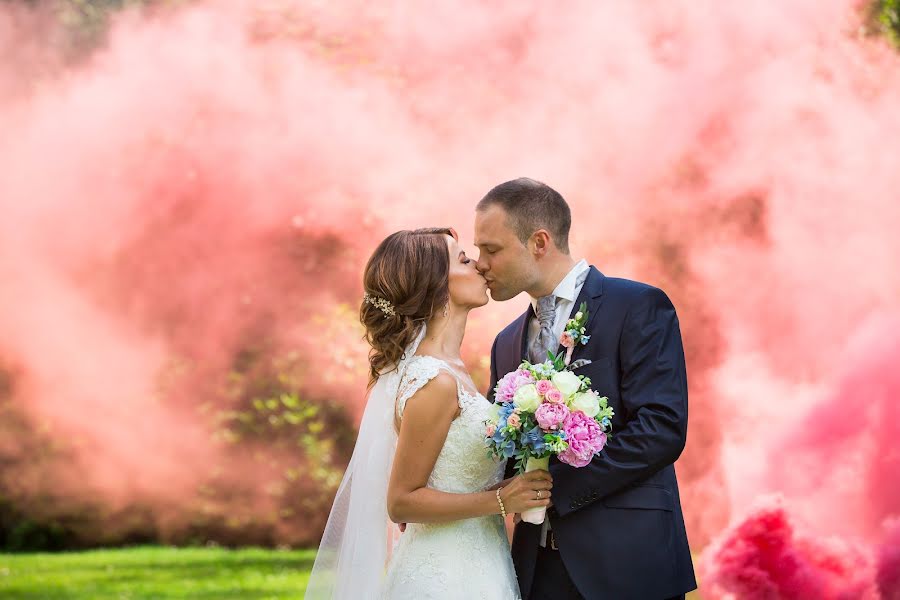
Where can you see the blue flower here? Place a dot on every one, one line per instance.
(498, 436)
(535, 439)
(508, 449)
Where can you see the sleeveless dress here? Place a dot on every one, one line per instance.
(469, 558)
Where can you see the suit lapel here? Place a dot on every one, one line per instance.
(517, 349)
(592, 293)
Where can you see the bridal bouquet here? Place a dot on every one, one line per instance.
(543, 410)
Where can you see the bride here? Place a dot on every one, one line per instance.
(420, 459)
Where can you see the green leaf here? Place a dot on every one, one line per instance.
(290, 400)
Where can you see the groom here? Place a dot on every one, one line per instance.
(615, 528)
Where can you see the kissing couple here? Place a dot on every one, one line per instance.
(420, 511)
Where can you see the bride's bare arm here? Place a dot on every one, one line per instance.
(423, 430)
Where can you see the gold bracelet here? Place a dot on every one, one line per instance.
(502, 508)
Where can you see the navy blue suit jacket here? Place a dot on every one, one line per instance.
(618, 521)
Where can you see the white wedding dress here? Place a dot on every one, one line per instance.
(469, 558)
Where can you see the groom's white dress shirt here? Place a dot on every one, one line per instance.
(567, 292)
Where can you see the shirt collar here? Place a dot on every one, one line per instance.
(566, 288)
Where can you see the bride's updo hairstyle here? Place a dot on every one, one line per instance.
(406, 282)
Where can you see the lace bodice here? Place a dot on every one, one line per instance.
(467, 558)
(463, 464)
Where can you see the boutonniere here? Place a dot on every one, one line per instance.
(573, 334)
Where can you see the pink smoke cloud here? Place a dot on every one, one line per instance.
(764, 556)
(888, 562)
(214, 177)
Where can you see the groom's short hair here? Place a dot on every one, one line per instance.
(532, 205)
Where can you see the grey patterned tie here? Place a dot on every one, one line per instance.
(544, 341)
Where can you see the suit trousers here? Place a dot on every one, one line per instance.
(552, 581)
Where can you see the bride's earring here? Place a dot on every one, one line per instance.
(446, 309)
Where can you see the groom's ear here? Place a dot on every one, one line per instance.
(540, 242)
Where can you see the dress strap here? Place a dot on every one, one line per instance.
(419, 371)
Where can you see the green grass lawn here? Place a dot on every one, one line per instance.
(156, 572)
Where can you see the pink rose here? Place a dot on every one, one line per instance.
(555, 396)
(550, 415)
(514, 421)
(567, 340)
(543, 386)
(585, 439)
(491, 429)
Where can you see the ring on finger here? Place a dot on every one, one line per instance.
(539, 494)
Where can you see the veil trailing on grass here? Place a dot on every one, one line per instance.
(359, 536)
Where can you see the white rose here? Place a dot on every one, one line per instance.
(527, 398)
(586, 402)
(567, 382)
